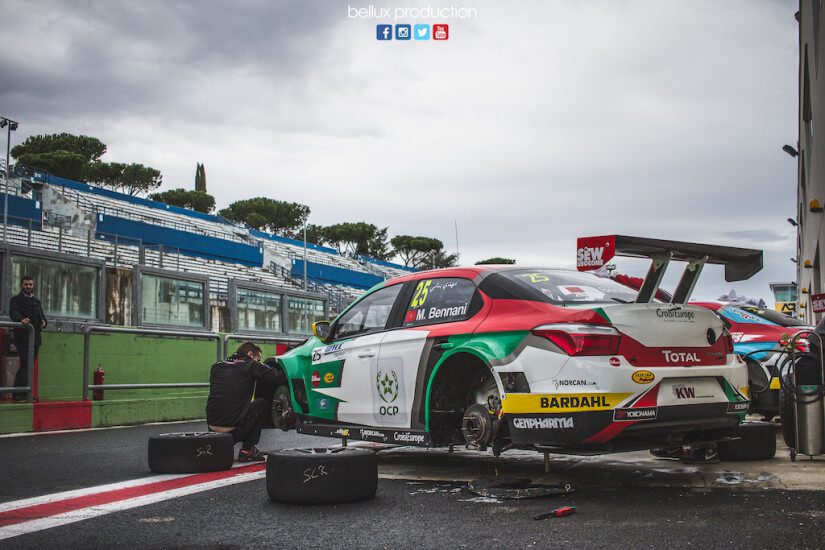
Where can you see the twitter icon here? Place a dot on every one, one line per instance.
(422, 32)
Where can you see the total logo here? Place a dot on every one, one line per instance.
(679, 357)
(412, 32)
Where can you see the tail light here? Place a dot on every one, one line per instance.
(582, 339)
(727, 339)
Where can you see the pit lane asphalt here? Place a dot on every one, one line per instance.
(405, 514)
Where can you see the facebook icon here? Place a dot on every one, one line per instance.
(383, 32)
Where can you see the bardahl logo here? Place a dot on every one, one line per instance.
(624, 415)
(574, 402)
(676, 314)
(542, 423)
(407, 437)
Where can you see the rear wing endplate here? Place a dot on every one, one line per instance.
(740, 263)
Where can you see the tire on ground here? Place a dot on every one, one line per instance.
(321, 476)
(191, 452)
(757, 441)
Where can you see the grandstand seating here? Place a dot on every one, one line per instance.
(182, 239)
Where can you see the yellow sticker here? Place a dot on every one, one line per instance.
(561, 402)
(329, 377)
(536, 277)
(421, 292)
(643, 377)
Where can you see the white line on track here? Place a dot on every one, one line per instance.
(103, 509)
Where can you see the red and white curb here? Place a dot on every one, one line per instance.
(36, 514)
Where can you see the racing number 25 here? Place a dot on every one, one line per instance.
(421, 292)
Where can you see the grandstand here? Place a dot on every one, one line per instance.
(52, 214)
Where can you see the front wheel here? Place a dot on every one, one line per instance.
(282, 414)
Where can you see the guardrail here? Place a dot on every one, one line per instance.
(28, 390)
(87, 338)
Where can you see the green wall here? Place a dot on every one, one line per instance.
(126, 359)
(15, 417)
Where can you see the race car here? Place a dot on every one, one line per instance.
(508, 356)
(758, 336)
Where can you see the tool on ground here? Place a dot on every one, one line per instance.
(557, 513)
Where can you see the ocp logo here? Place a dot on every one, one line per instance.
(422, 32)
(387, 384)
(383, 32)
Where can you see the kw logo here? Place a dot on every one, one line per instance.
(590, 256)
(684, 392)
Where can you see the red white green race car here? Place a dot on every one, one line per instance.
(505, 356)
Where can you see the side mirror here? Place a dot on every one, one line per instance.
(321, 329)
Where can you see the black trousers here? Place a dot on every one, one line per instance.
(21, 380)
(249, 432)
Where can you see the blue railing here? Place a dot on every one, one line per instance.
(24, 212)
(190, 244)
(45, 177)
(293, 242)
(387, 264)
(335, 275)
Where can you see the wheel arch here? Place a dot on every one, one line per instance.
(458, 359)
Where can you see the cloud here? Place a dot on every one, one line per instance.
(536, 123)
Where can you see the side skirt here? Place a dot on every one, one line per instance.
(365, 433)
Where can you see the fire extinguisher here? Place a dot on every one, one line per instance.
(100, 374)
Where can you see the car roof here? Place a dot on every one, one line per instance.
(471, 272)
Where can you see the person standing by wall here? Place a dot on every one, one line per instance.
(26, 308)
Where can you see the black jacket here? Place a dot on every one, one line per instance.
(231, 384)
(22, 307)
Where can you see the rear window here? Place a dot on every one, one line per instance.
(775, 317)
(559, 287)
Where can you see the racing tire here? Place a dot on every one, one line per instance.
(322, 475)
(283, 416)
(757, 441)
(191, 453)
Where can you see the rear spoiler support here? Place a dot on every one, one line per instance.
(740, 263)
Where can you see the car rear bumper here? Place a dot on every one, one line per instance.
(665, 424)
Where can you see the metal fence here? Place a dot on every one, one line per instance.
(27, 390)
(87, 341)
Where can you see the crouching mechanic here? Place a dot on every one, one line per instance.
(230, 408)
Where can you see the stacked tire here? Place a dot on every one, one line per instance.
(321, 475)
(191, 452)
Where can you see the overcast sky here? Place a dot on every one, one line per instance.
(535, 123)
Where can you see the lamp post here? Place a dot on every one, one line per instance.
(12, 126)
(305, 253)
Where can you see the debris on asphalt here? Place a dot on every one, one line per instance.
(516, 488)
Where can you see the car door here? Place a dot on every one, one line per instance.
(436, 307)
(343, 370)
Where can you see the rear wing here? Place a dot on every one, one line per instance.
(740, 263)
